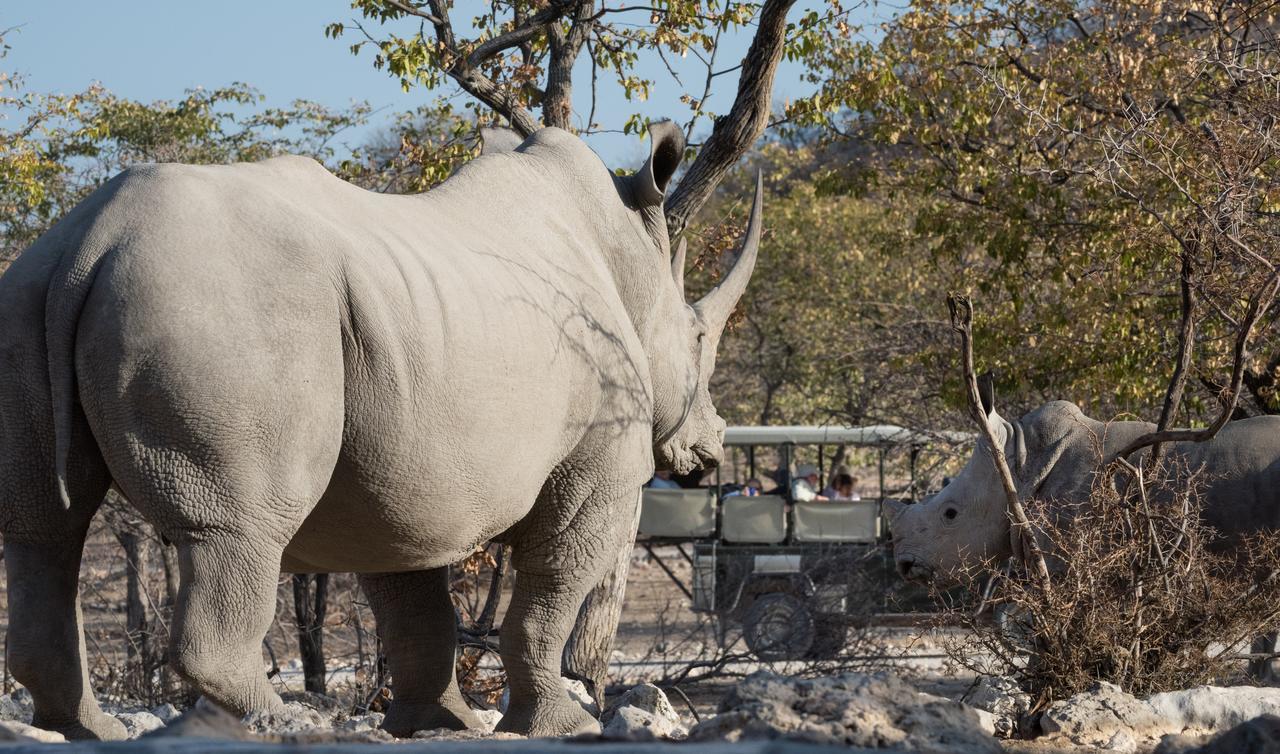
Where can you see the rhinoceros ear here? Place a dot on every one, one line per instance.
(987, 392)
(498, 140)
(666, 145)
(893, 509)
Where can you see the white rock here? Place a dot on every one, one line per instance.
(16, 707)
(660, 719)
(863, 710)
(19, 731)
(139, 723)
(1122, 742)
(635, 724)
(488, 718)
(1213, 708)
(167, 713)
(578, 692)
(359, 723)
(1002, 699)
(988, 722)
(292, 718)
(1093, 717)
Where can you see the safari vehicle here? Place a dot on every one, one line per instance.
(793, 575)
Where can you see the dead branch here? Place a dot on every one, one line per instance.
(1021, 537)
(1186, 345)
(1258, 305)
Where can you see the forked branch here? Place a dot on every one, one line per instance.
(1258, 306)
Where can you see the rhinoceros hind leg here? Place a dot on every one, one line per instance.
(534, 632)
(46, 650)
(418, 629)
(553, 576)
(225, 606)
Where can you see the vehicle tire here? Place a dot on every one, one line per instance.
(779, 626)
(830, 635)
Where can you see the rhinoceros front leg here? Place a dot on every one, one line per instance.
(553, 576)
(419, 633)
(46, 650)
(225, 606)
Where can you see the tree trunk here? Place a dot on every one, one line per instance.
(309, 611)
(137, 620)
(733, 134)
(586, 655)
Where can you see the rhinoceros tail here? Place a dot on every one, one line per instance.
(69, 288)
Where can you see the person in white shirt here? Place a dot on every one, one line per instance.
(804, 488)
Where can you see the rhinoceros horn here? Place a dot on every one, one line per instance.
(718, 304)
(677, 264)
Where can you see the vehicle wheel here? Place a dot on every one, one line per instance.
(830, 635)
(778, 626)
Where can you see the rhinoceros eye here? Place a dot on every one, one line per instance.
(950, 513)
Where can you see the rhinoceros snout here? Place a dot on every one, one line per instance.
(912, 570)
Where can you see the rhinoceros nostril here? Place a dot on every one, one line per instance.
(904, 567)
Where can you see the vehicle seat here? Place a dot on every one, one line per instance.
(844, 521)
(679, 514)
(754, 520)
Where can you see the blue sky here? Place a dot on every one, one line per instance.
(149, 50)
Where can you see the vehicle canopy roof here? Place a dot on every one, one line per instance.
(876, 435)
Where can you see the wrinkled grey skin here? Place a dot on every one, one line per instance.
(281, 370)
(1055, 453)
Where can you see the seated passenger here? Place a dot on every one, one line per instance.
(844, 486)
(750, 489)
(662, 481)
(805, 487)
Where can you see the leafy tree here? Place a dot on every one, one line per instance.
(1115, 160)
(522, 57)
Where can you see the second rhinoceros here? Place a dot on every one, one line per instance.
(281, 370)
(1055, 454)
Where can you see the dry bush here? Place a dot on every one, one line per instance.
(1143, 594)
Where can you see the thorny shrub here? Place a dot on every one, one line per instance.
(1143, 594)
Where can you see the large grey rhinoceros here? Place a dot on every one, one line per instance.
(280, 370)
(1055, 453)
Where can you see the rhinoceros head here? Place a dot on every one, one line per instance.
(965, 524)
(683, 338)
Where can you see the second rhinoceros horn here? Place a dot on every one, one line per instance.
(715, 307)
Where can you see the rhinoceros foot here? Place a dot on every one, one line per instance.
(92, 726)
(560, 716)
(406, 718)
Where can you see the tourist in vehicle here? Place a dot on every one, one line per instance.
(662, 481)
(750, 489)
(805, 487)
(844, 485)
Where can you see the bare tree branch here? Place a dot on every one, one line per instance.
(476, 83)
(1258, 306)
(1021, 537)
(734, 133)
(1186, 345)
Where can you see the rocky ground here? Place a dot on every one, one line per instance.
(854, 711)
